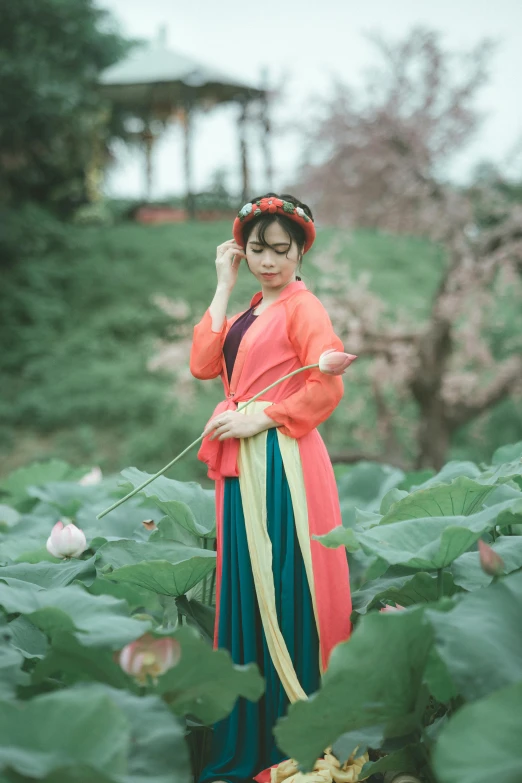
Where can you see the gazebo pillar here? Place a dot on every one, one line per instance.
(147, 138)
(266, 130)
(188, 128)
(243, 151)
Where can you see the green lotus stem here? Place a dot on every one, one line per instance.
(169, 607)
(163, 470)
(212, 586)
(205, 578)
(440, 583)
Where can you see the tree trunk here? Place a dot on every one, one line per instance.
(433, 435)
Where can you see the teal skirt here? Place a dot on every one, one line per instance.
(243, 743)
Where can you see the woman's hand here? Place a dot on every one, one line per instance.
(228, 258)
(232, 424)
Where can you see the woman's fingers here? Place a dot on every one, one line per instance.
(235, 249)
(210, 426)
(230, 250)
(214, 424)
(228, 243)
(221, 429)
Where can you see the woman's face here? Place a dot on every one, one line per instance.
(280, 261)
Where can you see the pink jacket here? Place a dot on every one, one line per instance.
(291, 333)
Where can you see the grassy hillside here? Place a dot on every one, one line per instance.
(79, 327)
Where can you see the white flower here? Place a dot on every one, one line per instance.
(93, 477)
(246, 210)
(300, 211)
(66, 541)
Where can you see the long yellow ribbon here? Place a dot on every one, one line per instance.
(252, 481)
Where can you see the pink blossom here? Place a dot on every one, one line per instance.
(334, 362)
(490, 561)
(149, 656)
(66, 541)
(395, 608)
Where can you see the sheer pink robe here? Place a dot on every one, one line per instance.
(290, 333)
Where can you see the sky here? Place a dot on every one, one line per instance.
(303, 44)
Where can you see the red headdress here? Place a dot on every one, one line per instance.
(273, 205)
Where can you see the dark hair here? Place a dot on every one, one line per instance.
(294, 231)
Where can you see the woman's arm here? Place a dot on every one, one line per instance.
(209, 334)
(218, 308)
(311, 333)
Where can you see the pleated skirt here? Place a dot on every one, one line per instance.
(243, 743)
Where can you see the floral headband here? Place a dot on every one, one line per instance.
(271, 204)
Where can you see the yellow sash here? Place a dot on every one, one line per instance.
(252, 482)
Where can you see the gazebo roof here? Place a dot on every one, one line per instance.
(154, 74)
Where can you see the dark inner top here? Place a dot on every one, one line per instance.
(234, 337)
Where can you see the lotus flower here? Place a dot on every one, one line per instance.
(395, 608)
(490, 561)
(93, 477)
(149, 656)
(66, 541)
(334, 362)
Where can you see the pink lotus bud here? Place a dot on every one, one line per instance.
(93, 477)
(149, 656)
(395, 608)
(66, 541)
(334, 362)
(149, 524)
(490, 561)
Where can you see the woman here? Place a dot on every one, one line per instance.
(282, 599)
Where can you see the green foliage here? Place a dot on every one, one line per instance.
(47, 235)
(16, 487)
(404, 686)
(357, 691)
(470, 637)
(357, 488)
(462, 496)
(63, 624)
(417, 684)
(92, 732)
(51, 54)
(83, 325)
(405, 590)
(469, 575)
(86, 319)
(95, 620)
(166, 568)
(11, 674)
(482, 741)
(50, 575)
(429, 543)
(204, 684)
(193, 509)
